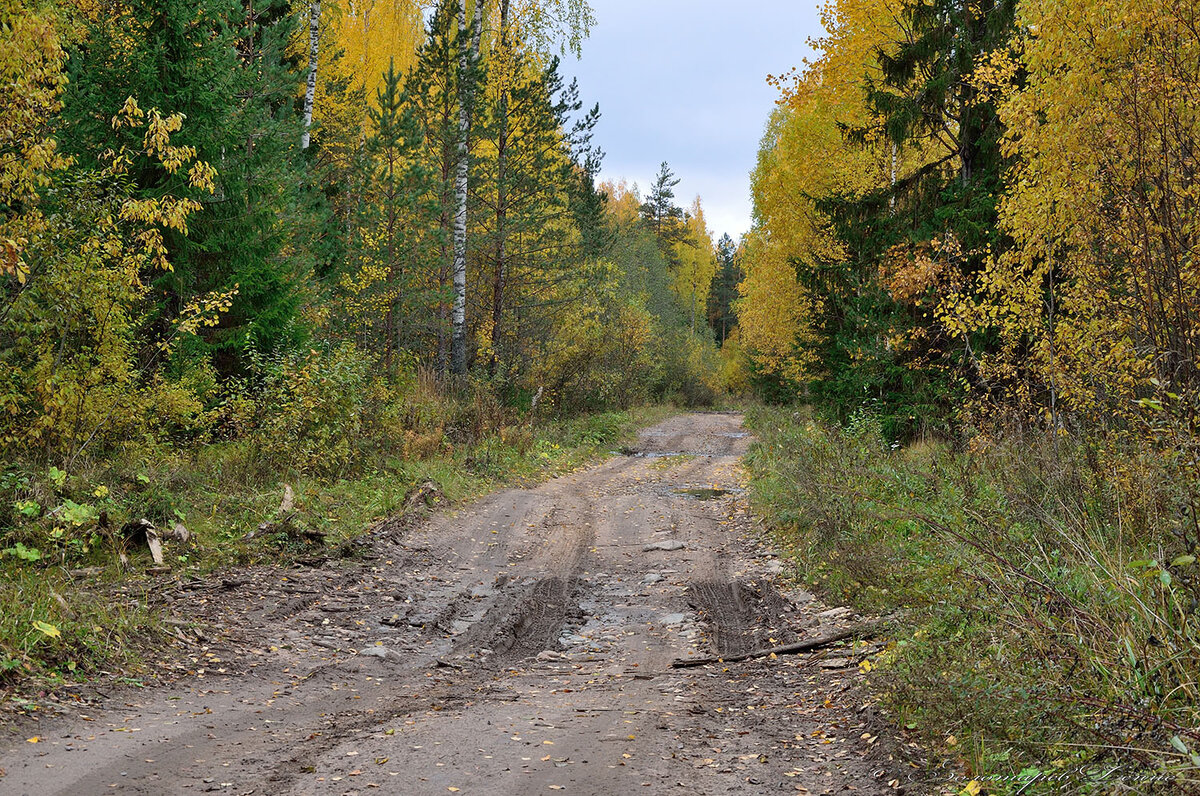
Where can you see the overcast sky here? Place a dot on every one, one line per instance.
(685, 81)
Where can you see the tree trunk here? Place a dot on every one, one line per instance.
(310, 92)
(501, 265)
(458, 338)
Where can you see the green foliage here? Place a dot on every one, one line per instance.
(1029, 610)
(721, 315)
(226, 70)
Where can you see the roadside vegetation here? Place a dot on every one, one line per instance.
(77, 587)
(1044, 592)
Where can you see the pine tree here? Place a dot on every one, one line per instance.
(659, 209)
(433, 91)
(396, 228)
(528, 231)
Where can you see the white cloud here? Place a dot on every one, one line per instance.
(685, 82)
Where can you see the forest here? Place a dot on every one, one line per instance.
(331, 250)
(345, 247)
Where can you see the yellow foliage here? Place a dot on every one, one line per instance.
(735, 371)
(776, 315)
(805, 154)
(623, 202)
(695, 264)
(366, 36)
(1096, 301)
(31, 72)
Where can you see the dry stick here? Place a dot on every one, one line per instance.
(864, 630)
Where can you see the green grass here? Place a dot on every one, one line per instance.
(1048, 598)
(221, 492)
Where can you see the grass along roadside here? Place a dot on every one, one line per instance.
(69, 608)
(1051, 641)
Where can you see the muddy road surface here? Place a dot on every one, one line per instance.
(521, 645)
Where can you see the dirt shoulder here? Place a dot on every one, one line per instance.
(521, 645)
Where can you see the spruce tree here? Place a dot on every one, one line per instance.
(721, 316)
(226, 68)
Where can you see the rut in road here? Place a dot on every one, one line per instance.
(520, 645)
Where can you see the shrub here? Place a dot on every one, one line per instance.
(1050, 586)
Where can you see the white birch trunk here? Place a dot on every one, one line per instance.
(310, 92)
(892, 198)
(458, 319)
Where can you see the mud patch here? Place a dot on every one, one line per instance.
(525, 620)
(742, 616)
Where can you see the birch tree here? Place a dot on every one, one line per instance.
(310, 91)
(467, 59)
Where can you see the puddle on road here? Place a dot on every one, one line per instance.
(735, 435)
(637, 454)
(704, 494)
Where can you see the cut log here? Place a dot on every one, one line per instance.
(137, 532)
(141, 532)
(864, 630)
(155, 544)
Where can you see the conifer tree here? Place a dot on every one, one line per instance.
(396, 229)
(225, 67)
(721, 315)
(659, 209)
(529, 237)
(433, 91)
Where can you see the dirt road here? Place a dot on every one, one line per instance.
(522, 645)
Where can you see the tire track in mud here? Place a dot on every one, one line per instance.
(741, 616)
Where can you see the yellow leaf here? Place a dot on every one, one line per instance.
(46, 628)
(972, 789)
(34, 739)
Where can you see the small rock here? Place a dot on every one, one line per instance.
(667, 545)
(774, 566)
(653, 577)
(836, 663)
(549, 655)
(382, 653)
(674, 619)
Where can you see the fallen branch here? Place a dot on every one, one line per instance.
(860, 631)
